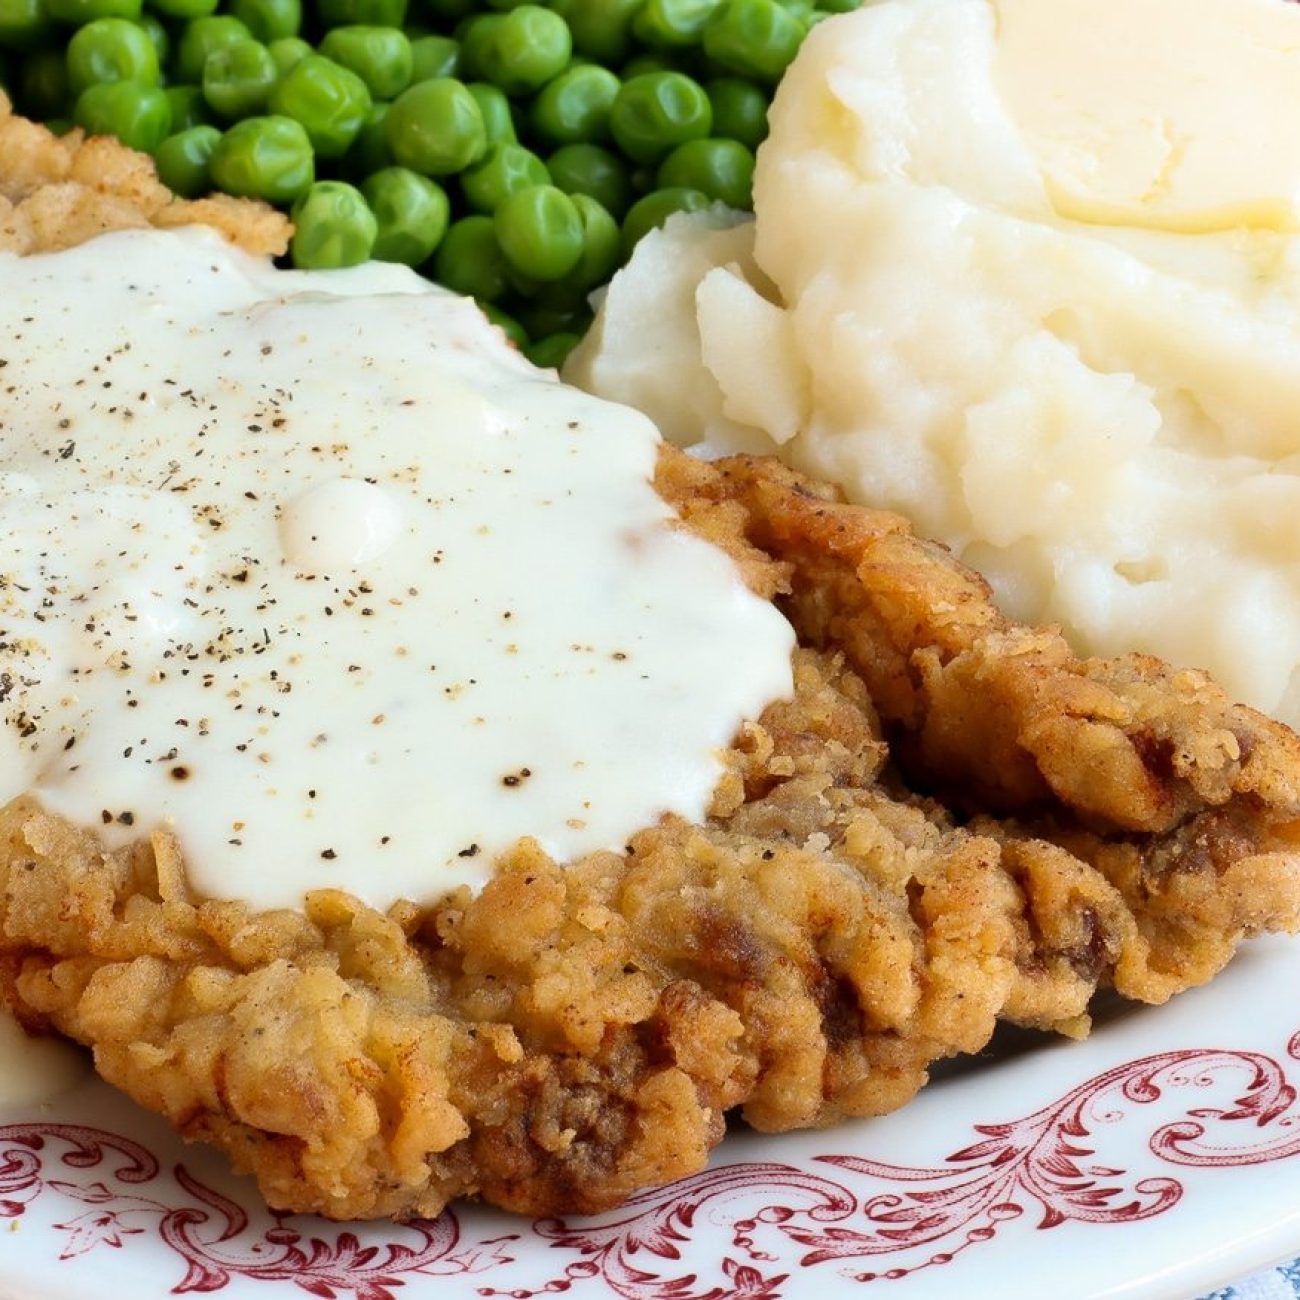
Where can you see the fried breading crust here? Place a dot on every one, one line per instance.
(58, 191)
(574, 1033)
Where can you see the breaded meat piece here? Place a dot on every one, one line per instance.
(952, 821)
(58, 191)
(1185, 801)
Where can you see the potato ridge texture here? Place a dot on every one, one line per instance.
(953, 821)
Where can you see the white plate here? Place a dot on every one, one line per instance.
(1157, 1159)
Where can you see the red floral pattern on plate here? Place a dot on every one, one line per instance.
(775, 1217)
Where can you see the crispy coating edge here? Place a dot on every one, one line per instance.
(997, 717)
(1187, 803)
(58, 191)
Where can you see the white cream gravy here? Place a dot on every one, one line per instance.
(319, 574)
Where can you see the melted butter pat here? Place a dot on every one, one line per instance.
(34, 1070)
(1173, 114)
(316, 572)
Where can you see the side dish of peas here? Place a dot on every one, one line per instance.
(512, 151)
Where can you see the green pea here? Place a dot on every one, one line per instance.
(553, 351)
(329, 100)
(333, 227)
(469, 260)
(269, 20)
(673, 24)
(374, 13)
(24, 24)
(43, 83)
(138, 114)
(474, 36)
(602, 29)
(380, 56)
(540, 231)
(651, 212)
(800, 9)
(575, 107)
(589, 169)
(524, 49)
(434, 56)
(183, 160)
(237, 79)
(411, 213)
(435, 127)
(287, 52)
(655, 113)
(60, 125)
(739, 110)
(722, 169)
(369, 152)
(77, 13)
(542, 320)
(512, 329)
(641, 64)
(756, 38)
(839, 6)
(504, 169)
(498, 121)
(201, 37)
(264, 158)
(601, 245)
(184, 9)
(159, 37)
(188, 107)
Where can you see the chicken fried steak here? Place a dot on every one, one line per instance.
(952, 821)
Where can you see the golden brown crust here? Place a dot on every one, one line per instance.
(574, 1033)
(58, 191)
(1186, 802)
(997, 716)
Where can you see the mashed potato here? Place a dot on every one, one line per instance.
(1018, 272)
